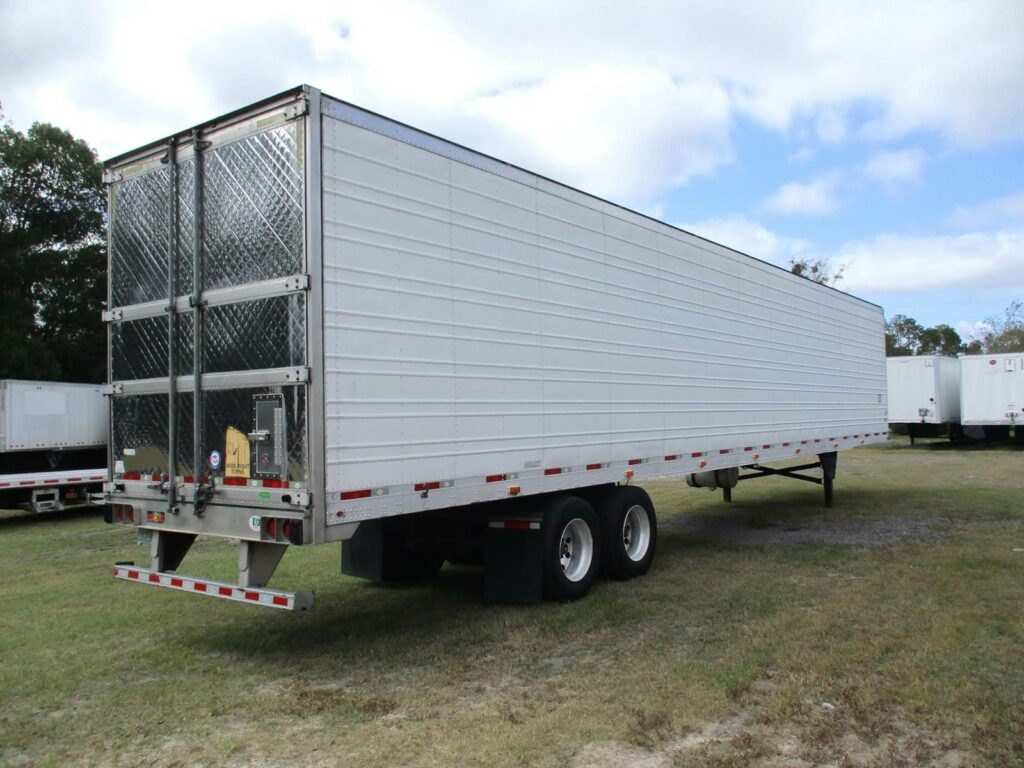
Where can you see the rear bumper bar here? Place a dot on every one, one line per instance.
(269, 598)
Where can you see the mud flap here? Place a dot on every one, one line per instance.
(514, 561)
(362, 555)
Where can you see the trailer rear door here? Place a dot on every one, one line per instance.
(225, 418)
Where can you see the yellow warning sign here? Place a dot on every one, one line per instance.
(236, 450)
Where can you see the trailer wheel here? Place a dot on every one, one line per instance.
(572, 548)
(630, 532)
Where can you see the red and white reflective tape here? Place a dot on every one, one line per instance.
(268, 598)
(515, 525)
(650, 466)
(44, 479)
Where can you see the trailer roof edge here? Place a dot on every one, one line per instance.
(294, 92)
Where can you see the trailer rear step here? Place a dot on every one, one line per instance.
(269, 598)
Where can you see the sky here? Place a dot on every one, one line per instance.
(886, 137)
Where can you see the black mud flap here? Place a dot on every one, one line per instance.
(514, 558)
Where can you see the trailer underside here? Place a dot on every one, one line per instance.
(548, 546)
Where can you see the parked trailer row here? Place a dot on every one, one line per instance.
(53, 443)
(930, 393)
(329, 326)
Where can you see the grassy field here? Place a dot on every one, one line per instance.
(765, 634)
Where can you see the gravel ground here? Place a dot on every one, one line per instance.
(760, 530)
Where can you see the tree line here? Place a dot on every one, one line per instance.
(53, 261)
(53, 267)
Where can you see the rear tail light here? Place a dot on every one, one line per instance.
(119, 513)
(289, 530)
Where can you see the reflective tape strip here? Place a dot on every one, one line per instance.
(269, 598)
(515, 525)
(355, 505)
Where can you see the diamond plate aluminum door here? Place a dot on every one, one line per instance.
(243, 324)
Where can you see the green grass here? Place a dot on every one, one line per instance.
(722, 655)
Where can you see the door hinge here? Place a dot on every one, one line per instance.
(112, 389)
(300, 499)
(111, 315)
(297, 283)
(297, 110)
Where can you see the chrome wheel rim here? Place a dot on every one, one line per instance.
(636, 533)
(576, 549)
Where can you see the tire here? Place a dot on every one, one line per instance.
(630, 532)
(572, 548)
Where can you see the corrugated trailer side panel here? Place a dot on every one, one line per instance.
(482, 322)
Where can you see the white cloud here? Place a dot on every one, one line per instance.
(900, 263)
(628, 133)
(813, 197)
(901, 166)
(971, 329)
(1009, 208)
(889, 263)
(627, 100)
(751, 238)
(831, 125)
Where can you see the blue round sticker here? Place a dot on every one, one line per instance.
(215, 460)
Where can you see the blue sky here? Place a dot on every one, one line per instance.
(887, 137)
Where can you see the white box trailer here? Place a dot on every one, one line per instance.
(51, 416)
(992, 389)
(53, 443)
(429, 354)
(924, 394)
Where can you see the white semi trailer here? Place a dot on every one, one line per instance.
(992, 392)
(924, 394)
(326, 325)
(53, 443)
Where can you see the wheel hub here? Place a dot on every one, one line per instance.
(636, 533)
(576, 549)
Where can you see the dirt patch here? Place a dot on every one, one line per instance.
(749, 738)
(761, 530)
(302, 700)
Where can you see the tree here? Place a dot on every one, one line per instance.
(51, 256)
(1006, 333)
(902, 336)
(939, 340)
(816, 270)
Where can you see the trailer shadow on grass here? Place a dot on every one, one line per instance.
(354, 618)
(357, 619)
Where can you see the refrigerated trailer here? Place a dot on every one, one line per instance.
(328, 326)
(924, 394)
(53, 443)
(992, 392)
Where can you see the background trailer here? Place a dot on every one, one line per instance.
(53, 443)
(328, 326)
(992, 392)
(924, 394)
